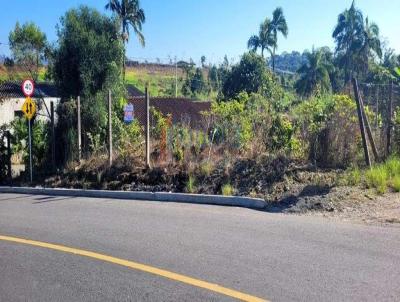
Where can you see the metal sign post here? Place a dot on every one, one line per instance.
(29, 110)
(30, 149)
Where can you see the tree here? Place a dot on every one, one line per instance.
(87, 63)
(263, 40)
(130, 15)
(28, 45)
(356, 42)
(203, 61)
(314, 74)
(277, 25)
(251, 75)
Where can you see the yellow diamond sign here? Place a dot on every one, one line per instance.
(29, 108)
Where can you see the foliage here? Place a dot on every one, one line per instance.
(281, 134)
(263, 40)
(40, 141)
(289, 61)
(357, 41)
(28, 45)
(314, 74)
(191, 184)
(353, 177)
(87, 63)
(328, 124)
(252, 76)
(227, 190)
(277, 25)
(129, 15)
(377, 177)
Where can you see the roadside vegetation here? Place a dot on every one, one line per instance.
(268, 134)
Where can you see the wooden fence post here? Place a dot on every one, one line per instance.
(147, 127)
(389, 120)
(110, 145)
(79, 130)
(53, 138)
(9, 154)
(361, 121)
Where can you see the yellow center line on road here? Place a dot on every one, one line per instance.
(138, 266)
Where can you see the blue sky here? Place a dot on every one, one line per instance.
(191, 28)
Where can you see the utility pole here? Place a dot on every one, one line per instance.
(147, 127)
(53, 138)
(79, 130)
(389, 120)
(361, 121)
(110, 147)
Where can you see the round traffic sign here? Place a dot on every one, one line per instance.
(28, 87)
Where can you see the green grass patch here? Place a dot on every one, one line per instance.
(227, 190)
(396, 183)
(377, 177)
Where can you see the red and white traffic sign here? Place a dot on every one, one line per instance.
(28, 87)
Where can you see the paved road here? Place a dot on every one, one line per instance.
(271, 256)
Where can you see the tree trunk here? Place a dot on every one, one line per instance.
(273, 60)
(262, 52)
(123, 64)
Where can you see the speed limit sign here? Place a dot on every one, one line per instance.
(28, 87)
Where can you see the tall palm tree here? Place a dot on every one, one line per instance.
(278, 25)
(130, 15)
(314, 74)
(356, 41)
(371, 43)
(263, 40)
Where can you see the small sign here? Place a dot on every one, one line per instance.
(28, 88)
(29, 108)
(128, 114)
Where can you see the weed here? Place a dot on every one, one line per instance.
(206, 168)
(190, 184)
(377, 177)
(353, 177)
(392, 166)
(227, 190)
(396, 183)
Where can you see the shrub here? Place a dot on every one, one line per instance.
(377, 177)
(227, 190)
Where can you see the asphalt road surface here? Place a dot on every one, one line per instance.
(250, 253)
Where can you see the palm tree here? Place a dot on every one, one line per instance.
(314, 74)
(371, 43)
(130, 15)
(263, 40)
(356, 41)
(277, 25)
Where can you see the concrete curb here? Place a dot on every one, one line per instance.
(236, 201)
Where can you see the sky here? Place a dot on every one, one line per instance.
(214, 28)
